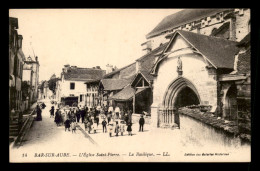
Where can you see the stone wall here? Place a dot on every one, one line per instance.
(242, 21)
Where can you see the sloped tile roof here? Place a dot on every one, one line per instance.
(147, 61)
(114, 84)
(147, 75)
(245, 40)
(116, 71)
(153, 52)
(220, 52)
(182, 17)
(83, 74)
(126, 94)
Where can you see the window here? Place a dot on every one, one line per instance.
(72, 86)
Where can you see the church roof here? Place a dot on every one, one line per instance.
(180, 18)
(220, 52)
(126, 94)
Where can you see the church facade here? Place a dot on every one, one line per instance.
(198, 65)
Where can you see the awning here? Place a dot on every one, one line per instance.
(126, 94)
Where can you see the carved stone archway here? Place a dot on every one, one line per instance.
(174, 88)
(168, 116)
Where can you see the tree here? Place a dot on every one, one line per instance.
(52, 84)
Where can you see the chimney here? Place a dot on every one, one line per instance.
(66, 67)
(20, 41)
(137, 66)
(109, 68)
(36, 58)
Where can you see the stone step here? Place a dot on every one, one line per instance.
(13, 130)
(13, 133)
(14, 126)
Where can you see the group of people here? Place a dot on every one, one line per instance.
(68, 118)
(114, 120)
(121, 120)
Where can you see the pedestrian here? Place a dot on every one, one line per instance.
(106, 110)
(104, 124)
(93, 128)
(73, 126)
(116, 128)
(57, 118)
(109, 115)
(122, 128)
(110, 109)
(83, 114)
(97, 120)
(86, 124)
(67, 124)
(52, 112)
(126, 118)
(130, 116)
(39, 113)
(117, 111)
(129, 128)
(78, 115)
(141, 124)
(89, 126)
(110, 127)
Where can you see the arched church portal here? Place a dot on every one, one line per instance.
(181, 92)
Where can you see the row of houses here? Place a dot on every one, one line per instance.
(23, 78)
(195, 56)
(23, 72)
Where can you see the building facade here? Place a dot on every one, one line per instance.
(31, 74)
(16, 60)
(192, 58)
(72, 87)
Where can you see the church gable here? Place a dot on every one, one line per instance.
(178, 43)
(217, 52)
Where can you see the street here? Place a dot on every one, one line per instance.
(45, 137)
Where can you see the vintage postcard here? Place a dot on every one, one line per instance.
(129, 85)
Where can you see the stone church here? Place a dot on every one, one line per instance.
(200, 63)
(193, 57)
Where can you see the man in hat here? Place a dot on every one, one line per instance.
(141, 123)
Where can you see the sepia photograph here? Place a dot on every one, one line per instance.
(129, 85)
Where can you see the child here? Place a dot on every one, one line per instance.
(86, 124)
(73, 126)
(110, 127)
(94, 129)
(89, 126)
(129, 128)
(117, 128)
(104, 124)
(122, 128)
(67, 125)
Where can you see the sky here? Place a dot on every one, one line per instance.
(85, 37)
